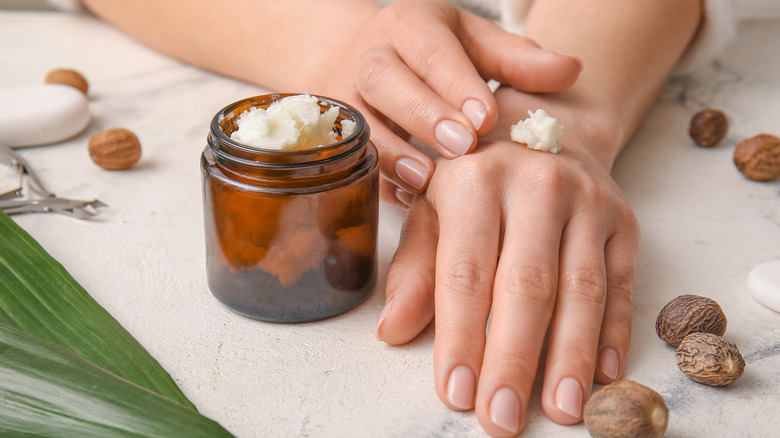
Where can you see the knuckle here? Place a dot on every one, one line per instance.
(547, 176)
(373, 70)
(472, 172)
(580, 355)
(621, 291)
(468, 278)
(532, 284)
(592, 194)
(396, 11)
(518, 360)
(585, 283)
(468, 174)
(426, 56)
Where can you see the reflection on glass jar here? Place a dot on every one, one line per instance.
(290, 234)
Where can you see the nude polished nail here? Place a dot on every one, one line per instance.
(411, 172)
(475, 111)
(568, 397)
(460, 387)
(404, 197)
(609, 363)
(453, 137)
(382, 315)
(505, 410)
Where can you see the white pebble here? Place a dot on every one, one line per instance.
(764, 284)
(41, 114)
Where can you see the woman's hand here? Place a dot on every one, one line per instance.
(418, 68)
(538, 244)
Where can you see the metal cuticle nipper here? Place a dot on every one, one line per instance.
(15, 201)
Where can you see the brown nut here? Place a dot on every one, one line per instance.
(625, 408)
(758, 158)
(710, 359)
(66, 76)
(688, 314)
(708, 127)
(114, 149)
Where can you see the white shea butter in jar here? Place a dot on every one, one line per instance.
(294, 122)
(539, 131)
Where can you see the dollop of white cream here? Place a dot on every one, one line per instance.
(539, 131)
(294, 122)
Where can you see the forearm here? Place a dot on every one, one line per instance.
(628, 49)
(276, 44)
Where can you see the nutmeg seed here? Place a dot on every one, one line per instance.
(710, 359)
(114, 149)
(69, 77)
(708, 127)
(688, 314)
(625, 408)
(758, 158)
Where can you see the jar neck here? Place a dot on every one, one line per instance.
(290, 167)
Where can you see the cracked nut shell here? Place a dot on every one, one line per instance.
(758, 158)
(688, 314)
(708, 127)
(710, 359)
(625, 408)
(114, 149)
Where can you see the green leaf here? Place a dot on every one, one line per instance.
(48, 391)
(39, 297)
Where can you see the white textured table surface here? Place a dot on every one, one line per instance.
(704, 227)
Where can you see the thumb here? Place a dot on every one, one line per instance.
(516, 60)
(410, 280)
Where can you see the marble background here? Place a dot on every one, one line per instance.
(704, 228)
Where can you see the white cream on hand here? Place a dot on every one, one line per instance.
(539, 131)
(294, 122)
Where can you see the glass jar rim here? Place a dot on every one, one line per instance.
(235, 148)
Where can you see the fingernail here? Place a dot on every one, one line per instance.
(460, 387)
(609, 362)
(454, 137)
(404, 197)
(505, 410)
(579, 62)
(576, 58)
(474, 110)
(382, 315)
(568, 397)
(411, 172)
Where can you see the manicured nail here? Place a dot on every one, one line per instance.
(505, 410)
(568, 397)
(559, 54)
(382, 315)
(460, 387)
(609, 362)
(454, 137)
(576, 58)
(412, 172)
(404, 197)
(474, 110)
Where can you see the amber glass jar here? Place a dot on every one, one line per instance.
(290, 234)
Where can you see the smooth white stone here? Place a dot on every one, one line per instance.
(764, 284)
(41, 114)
